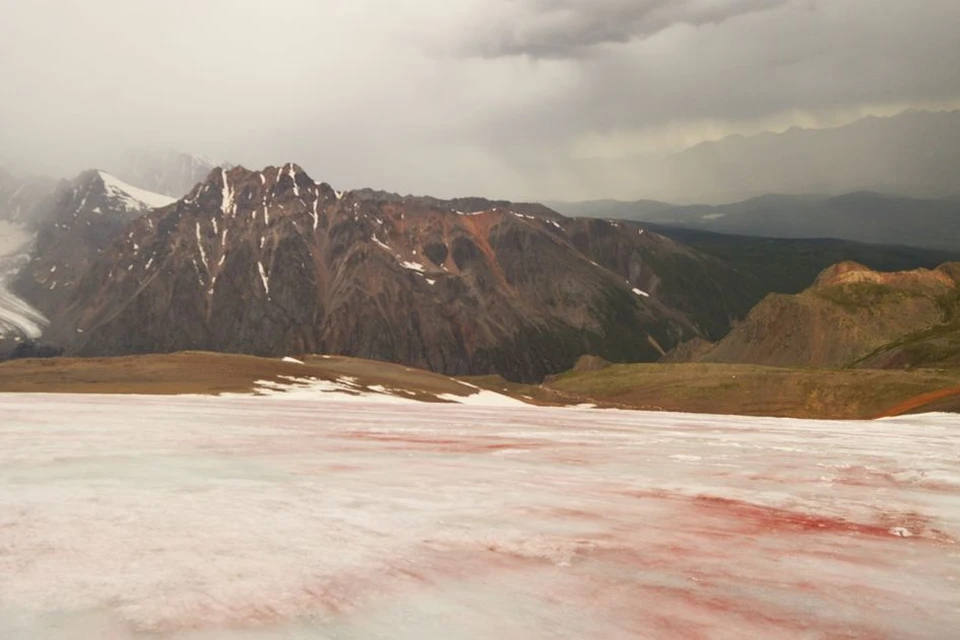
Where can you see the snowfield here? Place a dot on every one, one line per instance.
(289, 517)
(133, 198)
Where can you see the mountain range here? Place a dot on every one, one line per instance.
(169, 252)
(914, 153)
(270, 263)
(862, 217)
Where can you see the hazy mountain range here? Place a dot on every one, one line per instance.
(915, 153)
(861, 216)
(169, 252)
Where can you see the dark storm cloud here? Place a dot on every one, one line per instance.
(510, 98)
(565, 28)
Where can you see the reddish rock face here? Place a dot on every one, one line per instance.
(270, 263)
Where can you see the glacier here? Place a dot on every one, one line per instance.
(17, 317)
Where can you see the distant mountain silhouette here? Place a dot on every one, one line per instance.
(914, 153)
(863, 216)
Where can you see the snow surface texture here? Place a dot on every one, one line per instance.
(17, 317)
(346, 389)
(261, 518)
(133, 198)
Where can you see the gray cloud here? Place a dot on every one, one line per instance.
(380, 92)
(564, 28)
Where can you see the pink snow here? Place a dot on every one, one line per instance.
(289, 517)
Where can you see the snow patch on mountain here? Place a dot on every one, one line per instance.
(227, 204)
(348, 389)
(412, 266)
(132, 197)
(264, 278)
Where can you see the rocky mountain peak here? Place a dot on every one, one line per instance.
(239, 191)
(99, 193)
(272, 262)
(75, 225)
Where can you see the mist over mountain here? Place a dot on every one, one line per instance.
(20, 195)
(915, 153)
(164, 171)
(863, 216)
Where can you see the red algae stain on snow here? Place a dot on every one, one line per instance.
(389, 522)
(753, 519)
(861, 476)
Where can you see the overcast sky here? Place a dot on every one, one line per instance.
(453, 97)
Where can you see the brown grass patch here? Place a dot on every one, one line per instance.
(210, 373)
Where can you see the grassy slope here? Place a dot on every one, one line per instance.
(700, 388)
(208, 373)
(933, 346)
(744, 389)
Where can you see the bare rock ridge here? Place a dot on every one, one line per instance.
(270, 262)
(851, 316)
